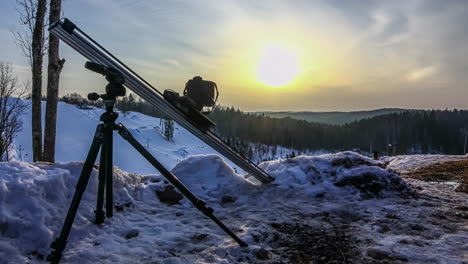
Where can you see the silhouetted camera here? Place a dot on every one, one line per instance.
(199, 98)
(199, 95)
(203, 93)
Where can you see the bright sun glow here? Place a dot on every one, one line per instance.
(277, 66)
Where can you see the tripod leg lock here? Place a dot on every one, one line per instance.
(201, 205)
(123, 131)
(99, 136)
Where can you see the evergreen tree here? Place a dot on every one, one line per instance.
(169, 129)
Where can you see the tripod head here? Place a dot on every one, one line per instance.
(115, 86)
(114, 89)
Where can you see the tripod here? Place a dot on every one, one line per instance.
(103, 140)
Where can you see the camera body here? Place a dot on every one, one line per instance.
(199, 98)
(203, 93)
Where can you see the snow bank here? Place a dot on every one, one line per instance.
(333, 174)
(34, 199)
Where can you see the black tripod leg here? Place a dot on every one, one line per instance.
(99, 213)
(61, 242)
(108, 142)
(199, 204)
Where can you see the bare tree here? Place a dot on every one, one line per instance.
(33, 44)
(53, 77)
(11, 107)
(23, 37)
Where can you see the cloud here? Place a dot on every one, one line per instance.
(422, 73)
(172, 62)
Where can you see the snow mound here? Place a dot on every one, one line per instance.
(331, 173)
(210, 176)
(34, 199)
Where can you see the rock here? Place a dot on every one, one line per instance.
(462, 215)
(462, 208)
(367, 183)
(228, 199)
(351, 163)
(427, 204)
(392, 216)
(120, 207)
(462, 188)
(345, 162)
(383, 228)
(132, 234)
(262, 254)
(200, 237)
(320, 195)
(37, 255)
(169, 195)
(256, 238)
(417, 227)
(419, 243)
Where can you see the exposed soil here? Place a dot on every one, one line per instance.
(442, 172)
(299, 243)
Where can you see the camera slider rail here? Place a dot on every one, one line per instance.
(69, 33)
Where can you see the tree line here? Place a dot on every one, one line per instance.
(409, 132)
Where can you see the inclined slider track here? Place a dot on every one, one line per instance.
(70, 34)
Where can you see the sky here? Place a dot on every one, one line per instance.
(275, 55)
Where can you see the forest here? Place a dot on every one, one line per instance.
(409, 132)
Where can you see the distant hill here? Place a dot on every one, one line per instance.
(334, 118)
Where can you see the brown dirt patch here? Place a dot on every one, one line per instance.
(441, 172)
(301, 243)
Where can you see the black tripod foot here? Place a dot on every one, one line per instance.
(99, 217)
(54, 257)
(58, 246)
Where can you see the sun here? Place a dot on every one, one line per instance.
(277, 66)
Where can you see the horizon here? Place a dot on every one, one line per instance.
(314, 111)
(335, 55)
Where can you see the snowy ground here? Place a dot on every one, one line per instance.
(336, 208)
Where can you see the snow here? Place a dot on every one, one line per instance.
(323, 192)
(313, 198)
